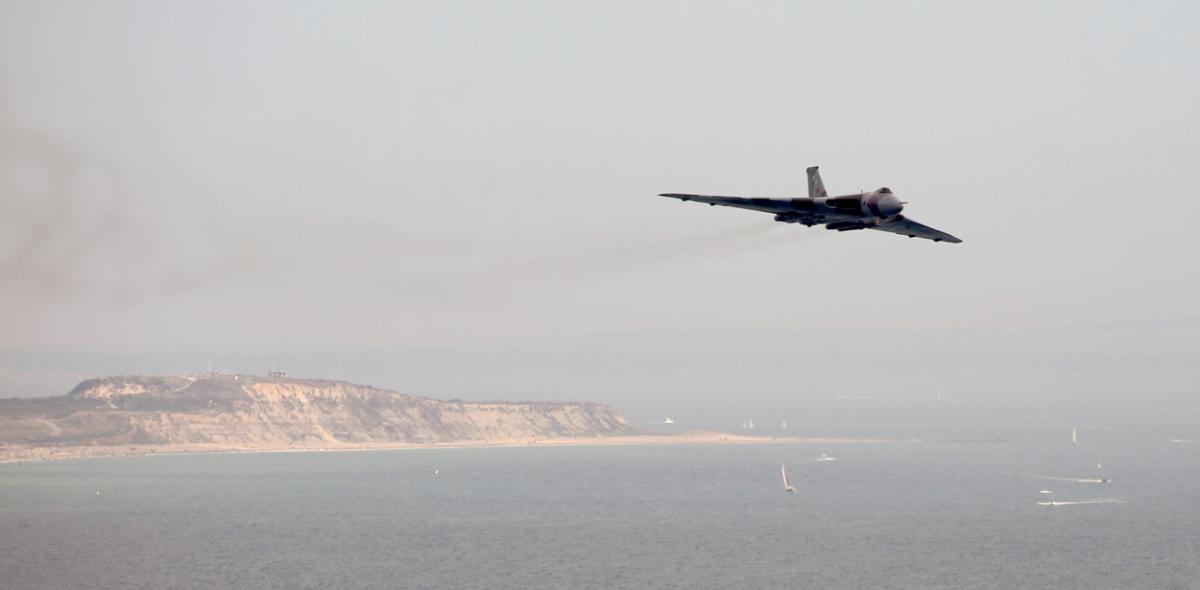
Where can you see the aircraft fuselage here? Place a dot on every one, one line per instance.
(878, 210)
(853, 210)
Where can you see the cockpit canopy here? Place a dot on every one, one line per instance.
(884, 191)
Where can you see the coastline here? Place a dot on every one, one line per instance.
(23, 454)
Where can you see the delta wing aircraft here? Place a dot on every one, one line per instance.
(878, 209)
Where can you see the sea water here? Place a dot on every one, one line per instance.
(883, 515)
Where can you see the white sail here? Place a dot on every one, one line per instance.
(1074, 437)
(787, 485)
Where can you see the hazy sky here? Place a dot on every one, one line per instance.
(309, 178)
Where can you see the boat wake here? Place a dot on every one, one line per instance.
(1082, 502)
(1076, 479)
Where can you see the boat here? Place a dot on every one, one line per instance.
(1074, 437)
(787, 485)
(825, 457)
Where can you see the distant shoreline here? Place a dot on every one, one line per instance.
(12, 454)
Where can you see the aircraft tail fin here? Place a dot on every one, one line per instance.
(816, 188)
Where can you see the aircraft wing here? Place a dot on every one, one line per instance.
(757, 204)
(907, 227)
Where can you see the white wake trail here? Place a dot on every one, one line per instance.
(1072, 479)
(1082, 502)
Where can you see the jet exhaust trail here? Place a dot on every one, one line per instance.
(628, 256)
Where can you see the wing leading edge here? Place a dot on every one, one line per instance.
(754, 203)
(907, 227)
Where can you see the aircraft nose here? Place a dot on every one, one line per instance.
(889, 205)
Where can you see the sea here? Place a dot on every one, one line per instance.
(904, 514)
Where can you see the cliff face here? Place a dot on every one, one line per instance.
(241, 410)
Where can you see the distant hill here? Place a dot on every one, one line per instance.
(243, 411)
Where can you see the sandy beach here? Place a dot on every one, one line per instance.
(14, 454)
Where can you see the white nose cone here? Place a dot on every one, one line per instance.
(889, 205)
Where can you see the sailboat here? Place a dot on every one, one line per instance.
(1074, 437)
(783, 425)
(787, 485)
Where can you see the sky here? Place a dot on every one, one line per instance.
(414, 194)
